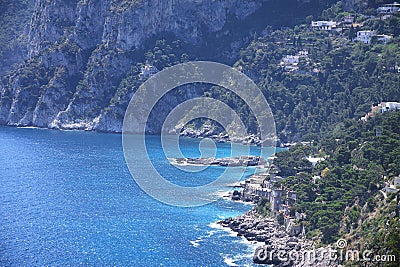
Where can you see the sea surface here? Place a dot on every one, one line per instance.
(68, 198)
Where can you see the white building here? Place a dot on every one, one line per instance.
(147, 71)
(389, 8)
(348, 19)
(364, 36)
(323, 25)
(314, 161)
(388, 106)
(291, 62)
(384, 38)
(289, 59)
(303, 53)
(381, 108)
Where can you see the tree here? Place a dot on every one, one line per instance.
(352, 33)
(299, 42)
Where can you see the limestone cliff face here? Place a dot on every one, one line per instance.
(79, 52)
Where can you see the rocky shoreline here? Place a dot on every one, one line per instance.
(276, 246)
(279, 243)
(211, 132)
(244, 161)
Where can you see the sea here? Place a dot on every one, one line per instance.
(67, 198)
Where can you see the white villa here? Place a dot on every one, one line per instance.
(381, 108)
(289, 59)
(364, 36)
(389, 8)
(348, 19)
(147, 71)
(388, 106)
(314, 161)
(383, 38)
(291, 62)
(324, 25)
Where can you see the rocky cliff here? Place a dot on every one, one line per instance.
(79, 53)
(83, 58)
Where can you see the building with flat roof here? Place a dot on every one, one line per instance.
(324, 25)
(389, 8)
(365, 36)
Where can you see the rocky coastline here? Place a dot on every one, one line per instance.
(222, 137)
(244, 161)
(279, 242)
(275, 245)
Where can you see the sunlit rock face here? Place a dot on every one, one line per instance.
(79, 52)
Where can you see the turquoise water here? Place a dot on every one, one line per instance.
(67, 198)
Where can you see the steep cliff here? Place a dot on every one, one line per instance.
(79, 52)
(82, 58)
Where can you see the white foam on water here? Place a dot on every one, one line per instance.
(195, 243)
(28, 127)
(215, 225)
(229, 261)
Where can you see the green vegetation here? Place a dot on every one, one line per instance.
(335, 78)
(344, 194)
(338, 80)
(264, 207)
(119, 6)
(14, 18)
(318, 99)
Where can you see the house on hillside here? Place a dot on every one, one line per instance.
(367, 36)
(289, 59)
(323, 25)
(364, 36)
(314, 161)
(348, 19)
(388, 106)
(396, 182)
(276, 199)
(291, 198)
(346, 23)
(389, 8)
(291, 62)
(147, 71)
(381, 108)
(282, 200)
(383, 38)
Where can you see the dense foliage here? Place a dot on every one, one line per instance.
(338, 79)
(14, 18)
(335, 78)
(341, 191)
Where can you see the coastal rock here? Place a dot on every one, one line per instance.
(263, 238)
(79, 53)
(275, 243)
(215, 133)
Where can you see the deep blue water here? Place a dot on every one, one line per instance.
(67, 198)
